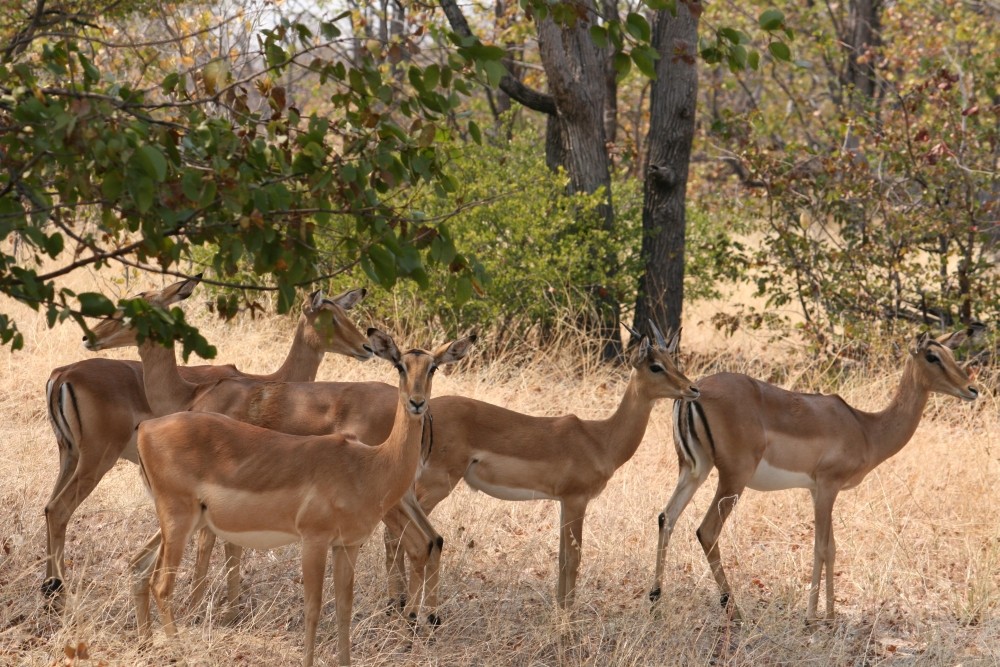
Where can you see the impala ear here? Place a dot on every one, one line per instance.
(920, 343)
(641, 352)
(178, 291)
(954, 339)
(383, 345)
(350, 298)
(315, 302)
(449, 353)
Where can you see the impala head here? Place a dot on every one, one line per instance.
(116, 331)
(655, 365)
(416, 367)
(329, 327)
(937, 366)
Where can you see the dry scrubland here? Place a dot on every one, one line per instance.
(917, 576)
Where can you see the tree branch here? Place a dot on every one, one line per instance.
(529, 97)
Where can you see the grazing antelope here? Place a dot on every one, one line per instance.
(766, 438)
(260, 488)
(513, 456)
(95, 405)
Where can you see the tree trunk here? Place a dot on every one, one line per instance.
(574, 66)
(673, 98)
(863, 36)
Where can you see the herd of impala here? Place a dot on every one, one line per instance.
(266, 460)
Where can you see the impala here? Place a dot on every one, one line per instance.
(766, 438)
(302, 408)
(513, 456)
(95, 405)
(260, 488)
(508, 455)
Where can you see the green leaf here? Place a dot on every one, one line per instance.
(170, 82)
(474, 132)
(780, 51)
(622, 64)
(95, 304)
(599, 35)
(637, 26)
(771, 19)
(644, 58)
(151, 161)
(383, 264)
(494, 72)
(753, 60)
(463, 290)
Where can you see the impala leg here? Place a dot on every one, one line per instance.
(395, 565)
(824, 551)
(687, 485)
(344, 560)
(60, 508)
(570, 548)
(176, 525)
(431, 492)
(68, 460)
(141, 567)
(419, 546)
(234, 553)
(726, 496)
(206, 542)
(313, 571)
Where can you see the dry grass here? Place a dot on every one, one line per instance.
(917, 576)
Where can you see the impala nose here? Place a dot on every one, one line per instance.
(417, 405)
(973, 390)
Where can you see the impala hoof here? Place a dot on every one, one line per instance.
(52, 586)
(395, 605)
(724, 600)
(654, 595)
(434, 620)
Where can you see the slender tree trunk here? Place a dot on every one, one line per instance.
(610, 8)
(574, 66)
(673, 98)
(864, 28)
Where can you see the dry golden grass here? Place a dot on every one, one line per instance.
(917, 576)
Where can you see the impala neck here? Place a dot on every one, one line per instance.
(400, 453)
(893, 427)
(624, 430)
(303, 360)
(166, 391)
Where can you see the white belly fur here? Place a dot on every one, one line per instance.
(503, 492)
(258, 539)
(769, 478)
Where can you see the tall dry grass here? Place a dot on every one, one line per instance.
(917, 574)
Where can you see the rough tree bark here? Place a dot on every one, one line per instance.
(673, 99)
(863, 30)
(575, 70)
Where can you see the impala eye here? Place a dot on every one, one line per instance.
(399, 367)
(932, 358)
(432, 370)
(656, 368)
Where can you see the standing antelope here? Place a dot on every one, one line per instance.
(513, 456)
(766, 438)
(506, 454)
(95, 405)
(303, 408)
(263, 489)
